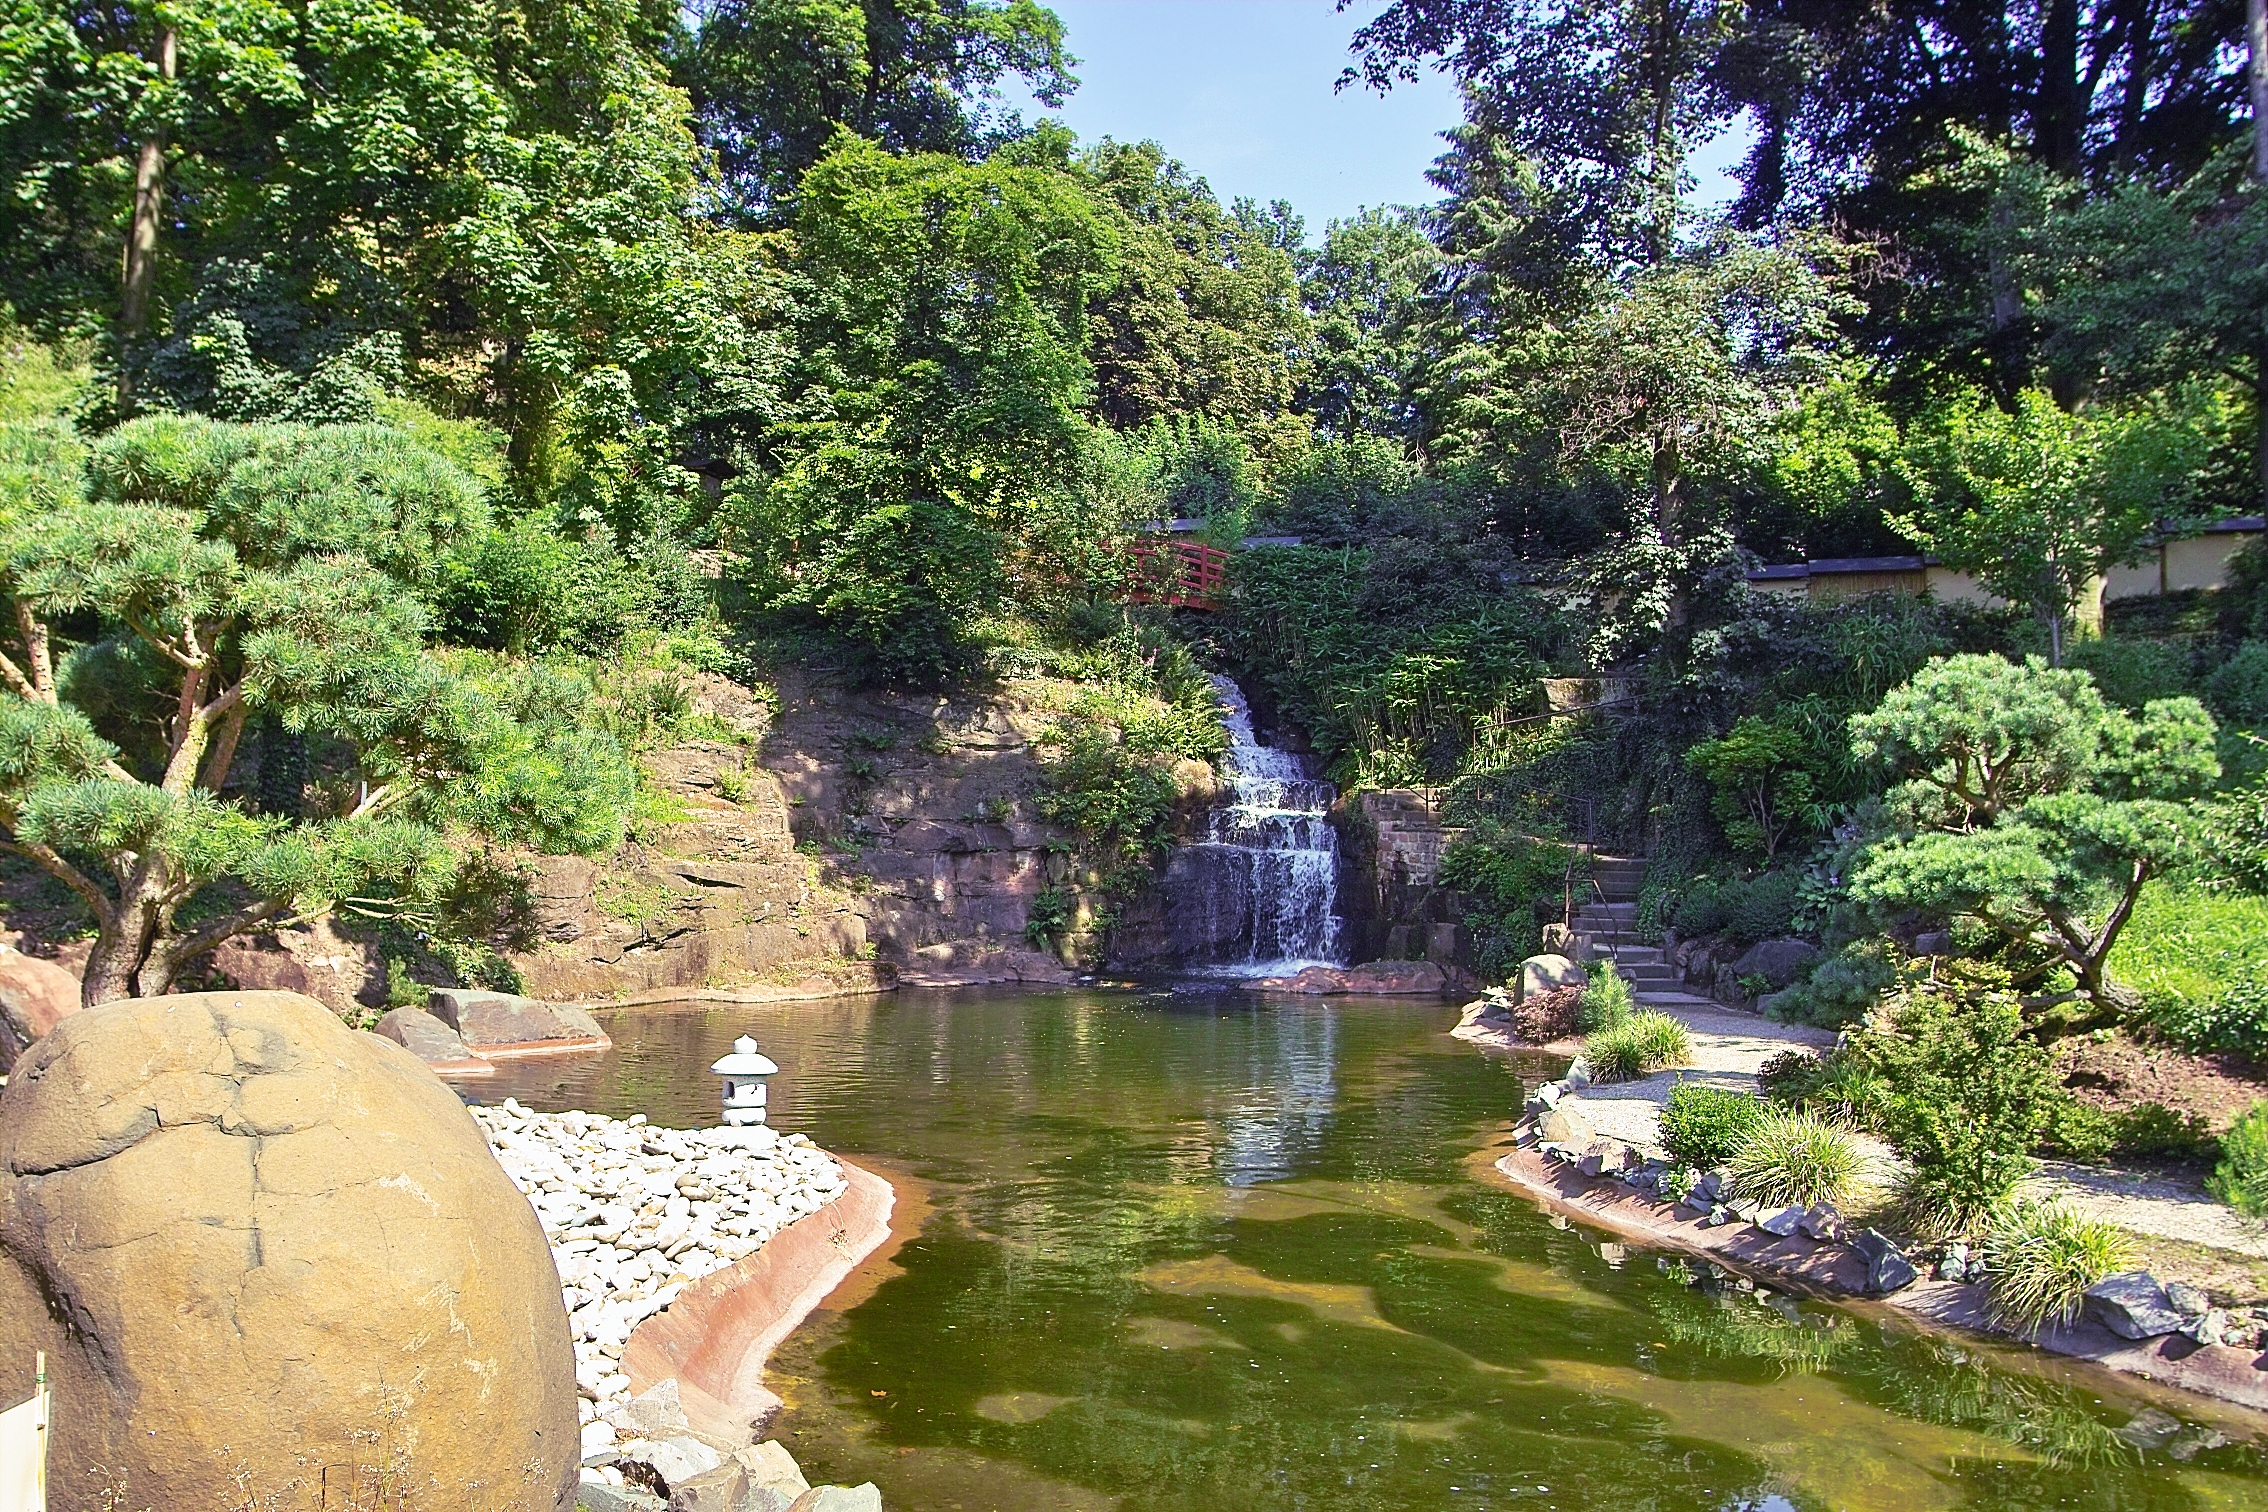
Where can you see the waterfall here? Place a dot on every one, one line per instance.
(1256, 896)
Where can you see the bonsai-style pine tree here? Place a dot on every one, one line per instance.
(201, 575)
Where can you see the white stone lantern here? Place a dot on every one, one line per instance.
(744, 1071)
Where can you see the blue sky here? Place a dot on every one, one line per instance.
(1241, 91)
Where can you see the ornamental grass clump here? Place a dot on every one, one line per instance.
(1796, 1160)
(2040, 1258)
(1638, 1046)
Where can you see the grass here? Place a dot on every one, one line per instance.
(2185, 949)
(1796, 1160)
(1638, 1046)
(2241, 1179)
(2040, 1258)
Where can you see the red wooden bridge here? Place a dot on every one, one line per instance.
(1183, 574)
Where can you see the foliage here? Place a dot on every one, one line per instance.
(2040, 1258)
(1542, 1018)
(1796, 1159)
(1607, 1003)
(2241, 1179)
(2035, 808)
(2039, 501)
(216, 574)
(1841, 987)
(2238, 688)
(1504, 877)
(2145, 1131)
(1705, 1126)
(1764, 796)
(1747, 909)
(1637, 1046)
(944, 363)
(1967, 1093)
(2199, 960)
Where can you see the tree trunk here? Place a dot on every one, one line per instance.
(142, 229)
(2256, 46)
(114, 965)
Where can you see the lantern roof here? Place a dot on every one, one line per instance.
(744, 1061)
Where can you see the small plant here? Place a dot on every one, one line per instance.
(1638, 1046)
(1705, 1126)
(1053, 909)
(2041, 1257)
(1797, 1159)
(2241, 1179)
(1789, 1077)
(402, 990)
(1607, 1003)
(732, 783)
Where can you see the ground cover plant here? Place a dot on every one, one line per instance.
(2241, 1179)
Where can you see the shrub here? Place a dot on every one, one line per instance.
(2130, 670)
(2238, 691)
(1966, 1093)
(2148, 1131)
(1607, 1003)
(1542, 1017)
(1841, 987)
(1638, 1046)
(1762, 907)
(2041, 1257)
(2241, 1179)
(1797, 1159)
(1787, 1078)
(1704, 1126)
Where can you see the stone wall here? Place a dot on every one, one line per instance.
(1395, 905)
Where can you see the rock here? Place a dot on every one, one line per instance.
(866, 1498)
(493, 1023)
(770, 1466)
(1822, 1222)
(1546, 1097)
(1547, 973)
(1607, 1157)
(1719, 1216)
(2208, 1328)
(1564, 1125)
(657, 1413)
(1578, 1075)
(2148, 1429)
(35, 996)
(229, 1220)
(680, 1457)
(1934, 942)
(1745, 1209)
(1776, 961)
(1712, 1182)
(2132, 1305)
(433, 1042)
(2190, 1301)
(597, 1496)
(1395, 979)
(1780, 1222)
(720, 1490)
(1887, 1268)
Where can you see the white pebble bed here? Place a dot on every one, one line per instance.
(635, 1214)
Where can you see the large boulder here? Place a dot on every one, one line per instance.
(272, 1262)
(35, 996)
(1776, 961)
(501, 1023)
(441, 1048)
(1548, 973)
(2132, 1305)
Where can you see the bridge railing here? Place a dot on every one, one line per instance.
(1183, 574)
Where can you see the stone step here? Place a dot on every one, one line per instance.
(1626, 912)
(1654, 997)
(1637, 955)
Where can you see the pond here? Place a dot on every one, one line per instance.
(1210, 1253)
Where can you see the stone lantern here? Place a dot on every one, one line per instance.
(744, 1071)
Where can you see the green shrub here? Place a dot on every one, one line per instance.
(2238, 690)
(1797, 1159)
(1504, 877)
(1841, 987)
(2146, 1131)
(1638, 1046)
(1762, 907)
(2130, 670)
(2040, 1258)
(1704, 1126)
(1788, 1077)
(2241, 1179)
(1606, 1000)
(1967, 1093)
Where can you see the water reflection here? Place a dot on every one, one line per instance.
(1202, 1253)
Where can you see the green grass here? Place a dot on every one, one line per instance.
(1638, 1046)
(2040, 1258)
(1795, 1160)
(2185, 949)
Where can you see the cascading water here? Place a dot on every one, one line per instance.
(1257, 896)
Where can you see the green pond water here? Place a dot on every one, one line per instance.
(1182, 1252)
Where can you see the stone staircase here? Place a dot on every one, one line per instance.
(1605, 929)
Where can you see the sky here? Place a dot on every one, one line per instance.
(1242, 91)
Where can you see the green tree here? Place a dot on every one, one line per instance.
(213, 574)
(1363, 290)
(1763, 793)
(941, 376)
(2032, 806)
(2039, 502)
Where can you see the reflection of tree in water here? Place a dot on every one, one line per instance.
(1940, 1382)
(1271, 1126)
(1738, 1325)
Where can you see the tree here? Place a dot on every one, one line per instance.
(772, 81)
(1362, 292)
(2039, 502)
(1763, 793)
(942, 369)
(2033, 807)
(216, 574)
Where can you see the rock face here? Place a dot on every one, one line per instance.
(35, 996)
(500, 1023)
(2132, 1305)
(271, 1260)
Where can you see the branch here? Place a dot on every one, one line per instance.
(13, 675)
(106, 916)
(224, 749)
(36, 652)
(187, 948)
